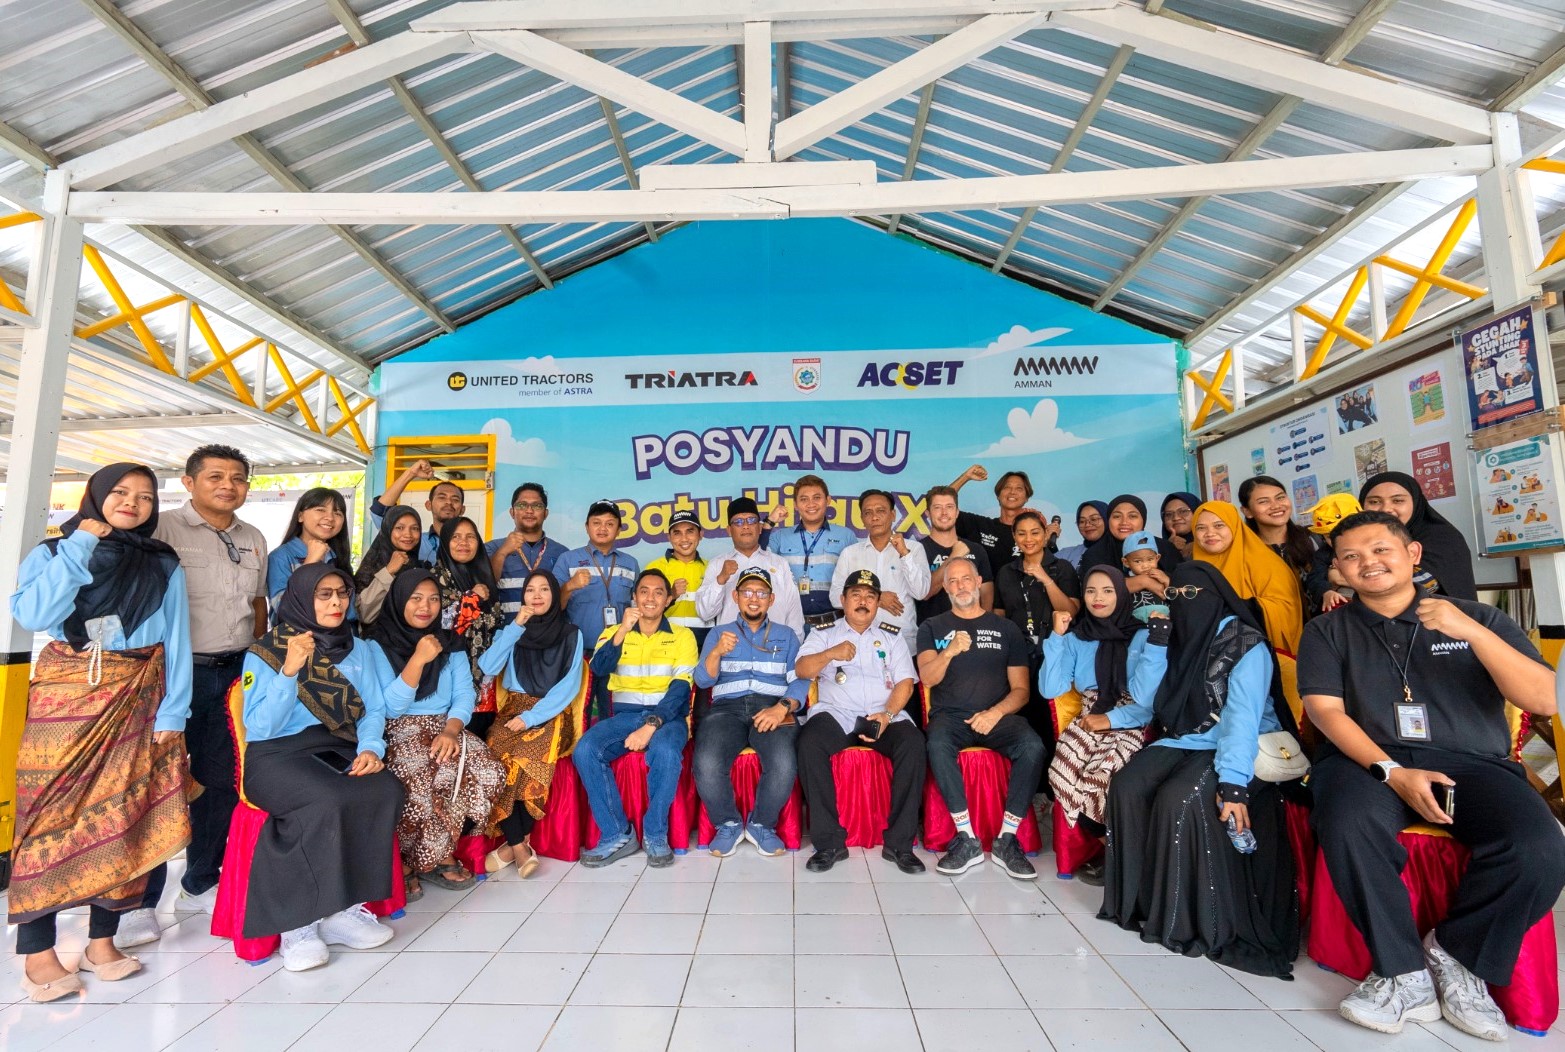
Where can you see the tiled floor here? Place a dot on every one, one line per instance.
(740, 953)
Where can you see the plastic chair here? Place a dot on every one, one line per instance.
(746, 776)
(986, 777)
(233, 885)
(863, 780)
(1073, 845)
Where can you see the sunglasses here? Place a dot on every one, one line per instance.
(1185, 591)
(233, 552)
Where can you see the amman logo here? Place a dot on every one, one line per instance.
(457, 381)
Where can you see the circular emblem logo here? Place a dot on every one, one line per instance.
(249, 680)
(457, 381)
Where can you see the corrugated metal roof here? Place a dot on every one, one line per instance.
(72, 85)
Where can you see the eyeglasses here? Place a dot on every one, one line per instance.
(1177, 514)
(754, 593)
(745, 520)
(326, 595)
(233, 552)
(529, 505)
(1185, 591)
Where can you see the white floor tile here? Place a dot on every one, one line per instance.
(211, 979)
(1079, 981)
(653, 932)
(407, 927)
(854, 1029)
(842, 981)
(694, 868)
(1553, 1041)
(625, 871)
(836, 898)
(959, 1030)
(438, 900)
(753, 897)
(346, 972)
(526, 979)
(922, 899)
(841, 933)
(1071, 896)
(1215, 1030)
(633, 980)
(668, 897)
(568, 897)
(883, 871)
(727, 981)
(959, 982)
(384, 1028)
(1109, 939)
(28, 1027)
(467, 932)
(504, 896)
(1077, 1030)
(920, 935)
(190, 933)
(251, 1028)
(756, 933)
(488, 1028)
(1328, 1030)
(431, 978)
(621, 1029)
(747, 1029)
(852, 870)
(154, 969)
(560, 932)
(1175, 982)
(1010, 935)
(1313, 987)
(1021, 897)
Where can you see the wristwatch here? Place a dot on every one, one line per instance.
(652, 721)
(1382, 769)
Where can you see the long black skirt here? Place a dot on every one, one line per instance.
(1173, 876)
(326, 844)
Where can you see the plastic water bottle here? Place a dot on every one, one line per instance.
(1244, 842)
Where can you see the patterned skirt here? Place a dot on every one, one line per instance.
(98, 804)
(529, 757)
(1084, 761)
(437, 804)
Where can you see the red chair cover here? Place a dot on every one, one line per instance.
(863, 780)
(1301, 840)
(1073, 845)
(630, 771)
(562, 831)
(986, 775)
(746, 775)
(1434, 868)
(233, 886)
(471, 849)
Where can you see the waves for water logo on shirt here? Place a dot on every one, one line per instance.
(944, 641)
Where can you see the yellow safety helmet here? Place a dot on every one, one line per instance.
(1332, 510)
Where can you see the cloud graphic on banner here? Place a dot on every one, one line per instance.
(1016, 338)
(1036, 432)
(525, 452)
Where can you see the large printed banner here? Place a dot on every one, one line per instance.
(661, 433)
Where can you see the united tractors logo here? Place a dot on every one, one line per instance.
(457, 381)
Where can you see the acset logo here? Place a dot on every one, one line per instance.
(910, 374)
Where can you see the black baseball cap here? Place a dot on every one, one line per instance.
(742, 506)
(604, 506)
(754, 573)
(862, 579)
(686, 515)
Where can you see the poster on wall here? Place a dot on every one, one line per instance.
(1426, 398)
(1300, 443)
(1369, 459)
(1306, 494)
(1432, 470)
(1356, 409)
(1220, 488)
(1518, 496)
(1500, 366)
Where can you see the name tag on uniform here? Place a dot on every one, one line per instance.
(804, 586)
(610, 616)
(1412, 723)
(887, 626)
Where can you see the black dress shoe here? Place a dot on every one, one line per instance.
(825, 858)
(1091, 873)
(906, 861)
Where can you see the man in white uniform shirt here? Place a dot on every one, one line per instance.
(901, 568)
(863, 680)
(715, 602)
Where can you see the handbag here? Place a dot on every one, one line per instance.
(1280, 758)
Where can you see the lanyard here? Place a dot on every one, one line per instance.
(521, 554)
(1407, 690)
(765, 644)
(605, 576)
(809, 546)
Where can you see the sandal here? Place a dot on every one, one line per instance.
(528, 866)
(412, 890)
(111, 971)
(493, 863)
(449, 877)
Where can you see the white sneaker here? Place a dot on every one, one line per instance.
(355, 927)
(137, 928)
(1464, 998)
(303, 949)
(1384, 1004)
(206, 902)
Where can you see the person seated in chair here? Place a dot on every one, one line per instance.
(864, 680)
(1422, 714)
(748, 666)
(649, 664)
(977, 667)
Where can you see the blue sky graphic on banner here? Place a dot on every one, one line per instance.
(731, 358)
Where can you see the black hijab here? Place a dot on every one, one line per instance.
(1190, 500)
(296, 609)
(399, 639)
(1182, 704)
(1113, 635)
(543, 655)
(465, 575)
(130, 568)
(1446, 552)
(381, 548)
(1109, 550)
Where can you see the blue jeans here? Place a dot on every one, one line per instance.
(604, 743)
(724, 731)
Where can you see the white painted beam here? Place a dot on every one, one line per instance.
(149, 423)
(1269, 67)
(282, 98)
(758, 110)
(660, 104)
(898, 79)
(950, 195)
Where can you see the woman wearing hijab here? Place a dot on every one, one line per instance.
(100, 772)
(314, 711)
(1446, 566)
(539, 714)
(1127, 515)
(1174, 873)
(1253, 569)
(469, 609)
(1091, 520)
(1178, 516)
(448, 774)
(1094, 656)
(394, 549)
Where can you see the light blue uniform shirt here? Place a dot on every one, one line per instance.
(555, 700)
(47, 584)
(284, 560)
(812, 557)
(760, 663)
(454, 695)
(1247, 714)
(585, 607)
(1070, 661)
(273, 709)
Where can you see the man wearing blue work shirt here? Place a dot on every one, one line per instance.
(597, 582)
(525, 549)
(810, 547)
(446, 502)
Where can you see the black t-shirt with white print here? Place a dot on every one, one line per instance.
(977, 678)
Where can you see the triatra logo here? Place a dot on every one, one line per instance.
(647, 381)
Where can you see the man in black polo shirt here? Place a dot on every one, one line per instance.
(1422, 709)
(976, 668)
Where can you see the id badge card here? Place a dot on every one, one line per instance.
(610, 616)
(804, 586)
(1412, 722)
